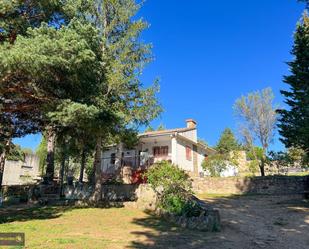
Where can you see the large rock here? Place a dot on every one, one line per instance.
(146, 199)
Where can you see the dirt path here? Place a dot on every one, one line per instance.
(261, 222)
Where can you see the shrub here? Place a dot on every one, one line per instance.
(215, 164)
(173, 187)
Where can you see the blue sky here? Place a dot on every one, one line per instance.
(210, 52)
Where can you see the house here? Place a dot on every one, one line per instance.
(21, 172)
(179, 146)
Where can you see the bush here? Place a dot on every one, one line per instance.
(173, 187)
(215, 164)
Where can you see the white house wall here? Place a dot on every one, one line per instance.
(21, 172)
(182, 161)
(107, 166)
(192, 134)
(106, 158)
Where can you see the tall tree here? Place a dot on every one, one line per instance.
(122, 95)
(81, 73)
(257, 120)
(294, 122)
(48, 66)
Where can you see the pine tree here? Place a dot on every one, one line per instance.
(75, 71)
(161, 127)
(294, 122)
(227, 142)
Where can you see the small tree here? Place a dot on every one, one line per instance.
(227, 142)
(257, 120)
(149, 128)
(161, 127)
(255, 156)
(226, 155)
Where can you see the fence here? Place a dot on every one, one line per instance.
(126, 166)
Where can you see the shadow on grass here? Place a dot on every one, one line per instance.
(26, 212)
(162, 234)
(248, 221)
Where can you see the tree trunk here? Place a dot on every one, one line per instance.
(82, 166)
(2, 163)
(97, 194)
(63, 159)
(262, 167)
(50, 164)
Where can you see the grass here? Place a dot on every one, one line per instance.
(299, 174)
(65, 227)
(58, 227)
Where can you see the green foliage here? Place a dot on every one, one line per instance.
(255, 153)
(226, 155)
(74, 67)
(173, 187)
(16, 153)
(41, 152)
(161, 127)
(227, 142)
(298, 156)
(215, 164)
(253, 166)
(129, 138)
(164, 174)
(293, 157)
(149, 128)
(294, 122)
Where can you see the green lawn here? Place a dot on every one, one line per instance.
(64, 227)
(299, 174)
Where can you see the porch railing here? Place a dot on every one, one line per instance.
(112, 166)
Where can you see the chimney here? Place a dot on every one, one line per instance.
(191, 123)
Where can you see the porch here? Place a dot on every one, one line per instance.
(128, 168)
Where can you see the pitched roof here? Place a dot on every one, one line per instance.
(170, 131)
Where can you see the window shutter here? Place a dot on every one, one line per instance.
(188, 153)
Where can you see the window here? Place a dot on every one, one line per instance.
(160, 151)
(26, 167)
(113, 158)
(156, 151)
(188, 153)
(164, 150)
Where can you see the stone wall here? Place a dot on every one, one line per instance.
(121, 192)
(276, 185)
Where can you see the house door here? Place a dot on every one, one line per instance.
(195, 163)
